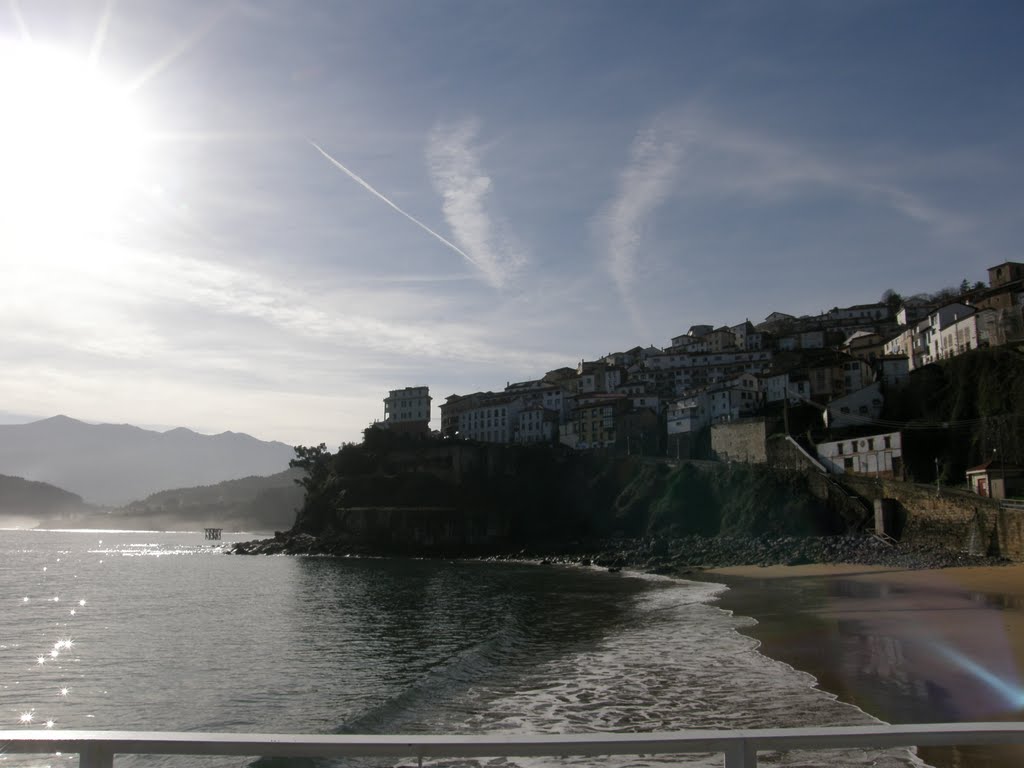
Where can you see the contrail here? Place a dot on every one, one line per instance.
(26, 36)
(101, 32)
(411, 218)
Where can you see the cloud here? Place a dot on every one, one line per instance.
(699, 159)
(738, 161)
(644, 185)
(454, 161)
(117, 306)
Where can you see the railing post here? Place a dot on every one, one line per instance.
(95, 755)
(740, 754)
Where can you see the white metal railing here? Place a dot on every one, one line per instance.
(96, 749)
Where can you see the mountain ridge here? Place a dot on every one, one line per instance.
(114, 464)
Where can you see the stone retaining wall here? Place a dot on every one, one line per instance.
(950, 518)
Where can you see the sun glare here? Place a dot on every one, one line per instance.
(71, 144)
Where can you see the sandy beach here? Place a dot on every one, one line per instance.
(905, 646)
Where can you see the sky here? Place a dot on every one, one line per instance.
(262, 216)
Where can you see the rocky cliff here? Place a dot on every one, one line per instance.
(395, 495)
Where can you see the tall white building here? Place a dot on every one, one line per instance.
(408, 409)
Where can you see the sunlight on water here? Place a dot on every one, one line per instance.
(166, 639)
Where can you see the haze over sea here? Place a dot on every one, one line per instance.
(159, 631)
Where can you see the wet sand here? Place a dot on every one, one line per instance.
(905, 646)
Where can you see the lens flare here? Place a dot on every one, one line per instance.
(26, 717)
(1011, 692)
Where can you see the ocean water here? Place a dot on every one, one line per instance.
(162, 631)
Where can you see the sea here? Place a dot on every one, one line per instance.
(142, 630)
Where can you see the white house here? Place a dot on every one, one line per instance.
(939, 322)
(493, 421)
(859, 312)
(894, 369)
(880, 455)
(967, 333)
(407, 409)
(812, 340)
(777, 387)
(857, 374)
(741, 332)
(900, 344)
(536, 425)
(734, 399)
(689, 414)
(912, 313)
(856, 409)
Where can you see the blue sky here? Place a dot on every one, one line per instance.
(541, 183)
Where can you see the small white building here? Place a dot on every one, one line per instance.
(880, 455)
(996, 480)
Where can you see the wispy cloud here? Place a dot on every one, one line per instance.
(644, 185)
(741, 161)
(453, 156)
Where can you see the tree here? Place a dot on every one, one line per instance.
(892, 299)
(316, 463)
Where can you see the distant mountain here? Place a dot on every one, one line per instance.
(113, 464)
(28, 503)
(252, 503)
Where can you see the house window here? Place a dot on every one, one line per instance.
(839, 448)
(887, 441)
(848, 463)
(871, 443)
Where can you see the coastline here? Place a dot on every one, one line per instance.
(906, 646)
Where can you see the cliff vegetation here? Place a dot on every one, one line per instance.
(461, 497)
(961, 412)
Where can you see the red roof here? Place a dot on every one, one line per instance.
(994, 464)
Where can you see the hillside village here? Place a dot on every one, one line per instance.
(820, 382)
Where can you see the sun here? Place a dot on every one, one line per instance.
(72, 144)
